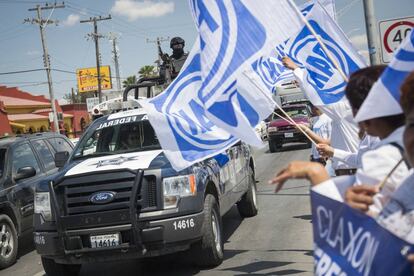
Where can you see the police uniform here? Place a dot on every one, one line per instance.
(177, 64)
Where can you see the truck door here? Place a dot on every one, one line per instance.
(23, 192)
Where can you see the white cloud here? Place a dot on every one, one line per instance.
(141, 9)
(71, 20)
(33, 53)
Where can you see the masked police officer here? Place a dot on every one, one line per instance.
(178, 56)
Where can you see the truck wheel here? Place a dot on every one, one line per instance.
(209, 251)
(56, 269)
(8, 241)
(247, 206)
(272, 146)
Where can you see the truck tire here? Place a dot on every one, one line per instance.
(247, 206)
(8, 241)
(56, 269)
(209, 251)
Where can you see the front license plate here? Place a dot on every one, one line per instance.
(109, 240)
(288, 135)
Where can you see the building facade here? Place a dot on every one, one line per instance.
(22, 112)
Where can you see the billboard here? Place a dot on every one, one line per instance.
(88, 79)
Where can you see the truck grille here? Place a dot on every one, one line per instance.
(285, 128)
(77, 192)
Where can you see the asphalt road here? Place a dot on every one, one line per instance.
(278, 241)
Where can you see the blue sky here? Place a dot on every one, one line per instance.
(135, 22)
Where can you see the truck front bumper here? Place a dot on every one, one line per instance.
(159, 237)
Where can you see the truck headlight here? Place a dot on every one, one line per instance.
(42, 205)
(177, 187)
(271, 129)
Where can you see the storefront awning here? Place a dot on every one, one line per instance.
(17, 125)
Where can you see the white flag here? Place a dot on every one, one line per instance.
(178, 117)
(234, 34)
(323, 83)
(384, 96)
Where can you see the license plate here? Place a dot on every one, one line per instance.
(288, 135)
(109, 240)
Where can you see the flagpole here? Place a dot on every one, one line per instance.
(382, 183)
(281, 109)
(312, 30)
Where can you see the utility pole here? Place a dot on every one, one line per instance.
(370, 24)
(42, 24)
(96, 37)
(114, 37)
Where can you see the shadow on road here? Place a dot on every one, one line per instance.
(26, 245)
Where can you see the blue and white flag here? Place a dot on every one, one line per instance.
(348, 242)
(270, 68)
(185, 133)
(233, 35)
(384, 97)
(323, 83)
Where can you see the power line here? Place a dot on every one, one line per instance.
(20, 72)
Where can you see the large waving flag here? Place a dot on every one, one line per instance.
(384, 97)
(178, 117)
(270, 68)
(234, 34)
(323, 82)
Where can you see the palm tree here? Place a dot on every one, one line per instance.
(147, 71)
(129, 81)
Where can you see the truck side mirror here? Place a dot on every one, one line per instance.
(24, 172)
(60, 158)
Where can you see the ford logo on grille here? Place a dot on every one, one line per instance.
(102, 197)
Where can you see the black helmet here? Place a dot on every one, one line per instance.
(177, 40)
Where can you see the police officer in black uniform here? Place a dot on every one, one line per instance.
(178, 56)
(172, 65)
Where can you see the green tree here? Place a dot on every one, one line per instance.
(147, 71)
(129, 81)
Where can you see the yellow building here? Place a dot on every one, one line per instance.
(28, 113)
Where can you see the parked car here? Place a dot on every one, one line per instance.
(117, 197)
(24, 161)
(281, 131)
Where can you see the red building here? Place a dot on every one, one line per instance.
(80, 117)
(22, 112)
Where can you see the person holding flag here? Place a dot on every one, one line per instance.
(376, 163)
(321, 57)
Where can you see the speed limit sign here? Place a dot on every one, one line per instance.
(392, 33)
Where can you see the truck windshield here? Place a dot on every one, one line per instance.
(292, 112)
(121, 138)
(2, 161)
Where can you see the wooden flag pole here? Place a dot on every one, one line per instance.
(281, 109)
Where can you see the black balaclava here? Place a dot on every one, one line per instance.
(177, 45)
